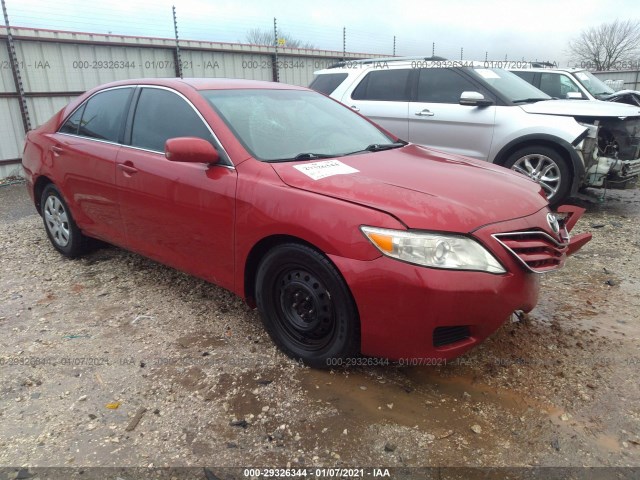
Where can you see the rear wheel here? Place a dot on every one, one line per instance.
(544, 166)
(306, 306)
(61, 229)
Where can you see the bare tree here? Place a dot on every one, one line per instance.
(256, 36)
(608, 44)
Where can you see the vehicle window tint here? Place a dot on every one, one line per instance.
(441, 85)
(161, 115)
(73, 122)
(327, 83)
(103, 115)
(385, 85)
(557, 85)
(526, 76)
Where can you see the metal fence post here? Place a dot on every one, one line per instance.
(15, 69)
(177, 52)
(276, 73)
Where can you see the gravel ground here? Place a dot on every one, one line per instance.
(114, 360)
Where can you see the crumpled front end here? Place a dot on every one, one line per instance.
(611, 152)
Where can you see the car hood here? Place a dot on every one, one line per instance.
(581, 108)
(619, 93)
(423, 188)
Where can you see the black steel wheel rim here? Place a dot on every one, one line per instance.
(306, 313)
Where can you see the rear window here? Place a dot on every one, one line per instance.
(384, 85)
(327, 83)
(103, 114)
(101, 117)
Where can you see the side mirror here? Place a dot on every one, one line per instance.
(474, 99)
(574, 96)
(191, 150)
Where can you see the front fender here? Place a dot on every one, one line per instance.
(267, 207)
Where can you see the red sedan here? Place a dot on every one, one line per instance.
(348, 240)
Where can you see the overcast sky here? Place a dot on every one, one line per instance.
(530, 29)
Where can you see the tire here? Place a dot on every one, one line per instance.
(546, 167)
(306, 306)
(64, 234)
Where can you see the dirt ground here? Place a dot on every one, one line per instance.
(114, 360)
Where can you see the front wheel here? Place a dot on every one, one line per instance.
(545, 166)
(306, 306)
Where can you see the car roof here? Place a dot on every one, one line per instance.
(399, 62)
(205, 83)
(549, 69)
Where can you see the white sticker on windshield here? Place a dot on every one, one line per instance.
(328, 168)
(582, 76)
(484, 73)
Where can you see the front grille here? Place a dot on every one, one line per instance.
(446, 335)
(536, 250)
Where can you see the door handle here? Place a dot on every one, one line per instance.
(128, 169)
(56, 150)
(425, 113)
(354, 108)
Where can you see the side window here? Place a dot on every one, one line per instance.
(161, 115)
(327, 82)
(567, 85)
(550, 84)
(556, 85)
(384, 85)
(441, 85)
(73, 122)
(104, 113)
(526, 76)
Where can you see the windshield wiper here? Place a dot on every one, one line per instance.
(378, 147)
(312, 156)
(531, 100)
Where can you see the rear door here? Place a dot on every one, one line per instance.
(383, 96)
(84, 154)
(181, 214)
(437, 119)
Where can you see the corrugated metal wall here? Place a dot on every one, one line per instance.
(57, 66)
(11, 129)
(630, 78)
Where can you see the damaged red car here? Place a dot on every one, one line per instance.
(348, 240)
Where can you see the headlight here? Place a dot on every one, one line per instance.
(433, 249)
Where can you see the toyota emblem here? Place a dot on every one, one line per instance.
(552, 220)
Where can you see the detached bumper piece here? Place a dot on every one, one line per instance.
(573, 214)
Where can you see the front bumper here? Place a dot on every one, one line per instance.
(410, 312)
(401, 305)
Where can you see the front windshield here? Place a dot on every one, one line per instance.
(510, 85)
(593, 84)
(282, 125)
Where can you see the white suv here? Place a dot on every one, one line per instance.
(472, 109)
